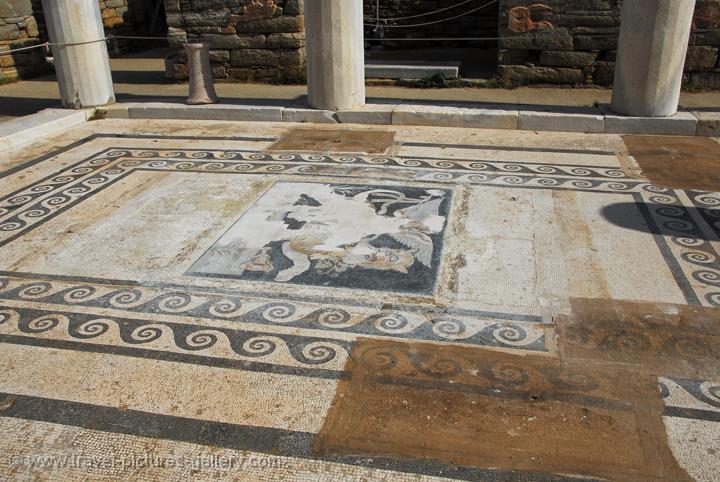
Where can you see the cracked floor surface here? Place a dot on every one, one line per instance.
(210, 300)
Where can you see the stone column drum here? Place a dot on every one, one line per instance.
(202, 88)
(83, 69)
(335, 54)
(654, 37)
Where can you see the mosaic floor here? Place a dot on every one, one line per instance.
(199, 300)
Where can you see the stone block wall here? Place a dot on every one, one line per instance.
(249, 40)
(574, 42)
(702, 68)
(18, 29)
(479, 24)
(22, 24)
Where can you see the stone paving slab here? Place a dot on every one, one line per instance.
(585, 119)
(708, 123)
(179, 292)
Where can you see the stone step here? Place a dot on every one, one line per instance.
(400, 69)
(30, 128)
(596, 120)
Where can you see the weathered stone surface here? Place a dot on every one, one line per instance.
(368, 114)
(708, 123)
(285, 40)
(40, 125)
(9, 32)
(555, 58)
(589, 120)
(219, 56)
(680, 124)
(272, 25)
(172, 6)
(199, 5)
(31, 27)
(604, 73)
(604, 42)
(176, 37)
(15, 8)
(294, 7)
(704, 80)
(509, 57)
(610, 19)
(517, 75)
(550, 39)
(293, 114)
(208, 18)
(269, 58)
(456, 116)
(258, 113)
(229, 42)
(706, 38)
(701, 58)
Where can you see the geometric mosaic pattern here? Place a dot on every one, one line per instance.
(691, 257)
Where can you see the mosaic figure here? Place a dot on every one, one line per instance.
(335, 235)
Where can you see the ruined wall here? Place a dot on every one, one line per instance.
(249, 40)
(480, 24)
(574, 42)
(22, 24)
(18, 28)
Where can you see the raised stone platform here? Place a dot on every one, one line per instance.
(484, 116)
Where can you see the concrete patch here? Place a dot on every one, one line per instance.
(485, 409)
(677, 162)
(655, 338)
(335, 140)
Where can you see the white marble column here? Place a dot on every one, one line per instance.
(83, 69)
(335, 54)
(654, 37)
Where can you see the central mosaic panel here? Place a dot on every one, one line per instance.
(386, 238)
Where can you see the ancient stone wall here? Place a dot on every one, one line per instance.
(18, 29)
(22, 24)
(574, 42)
(249, 40)
(479, 24)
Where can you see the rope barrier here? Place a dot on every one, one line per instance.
(428, 39)
(426, 13)
(114, 38)
(439, 21)
(71, 44)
